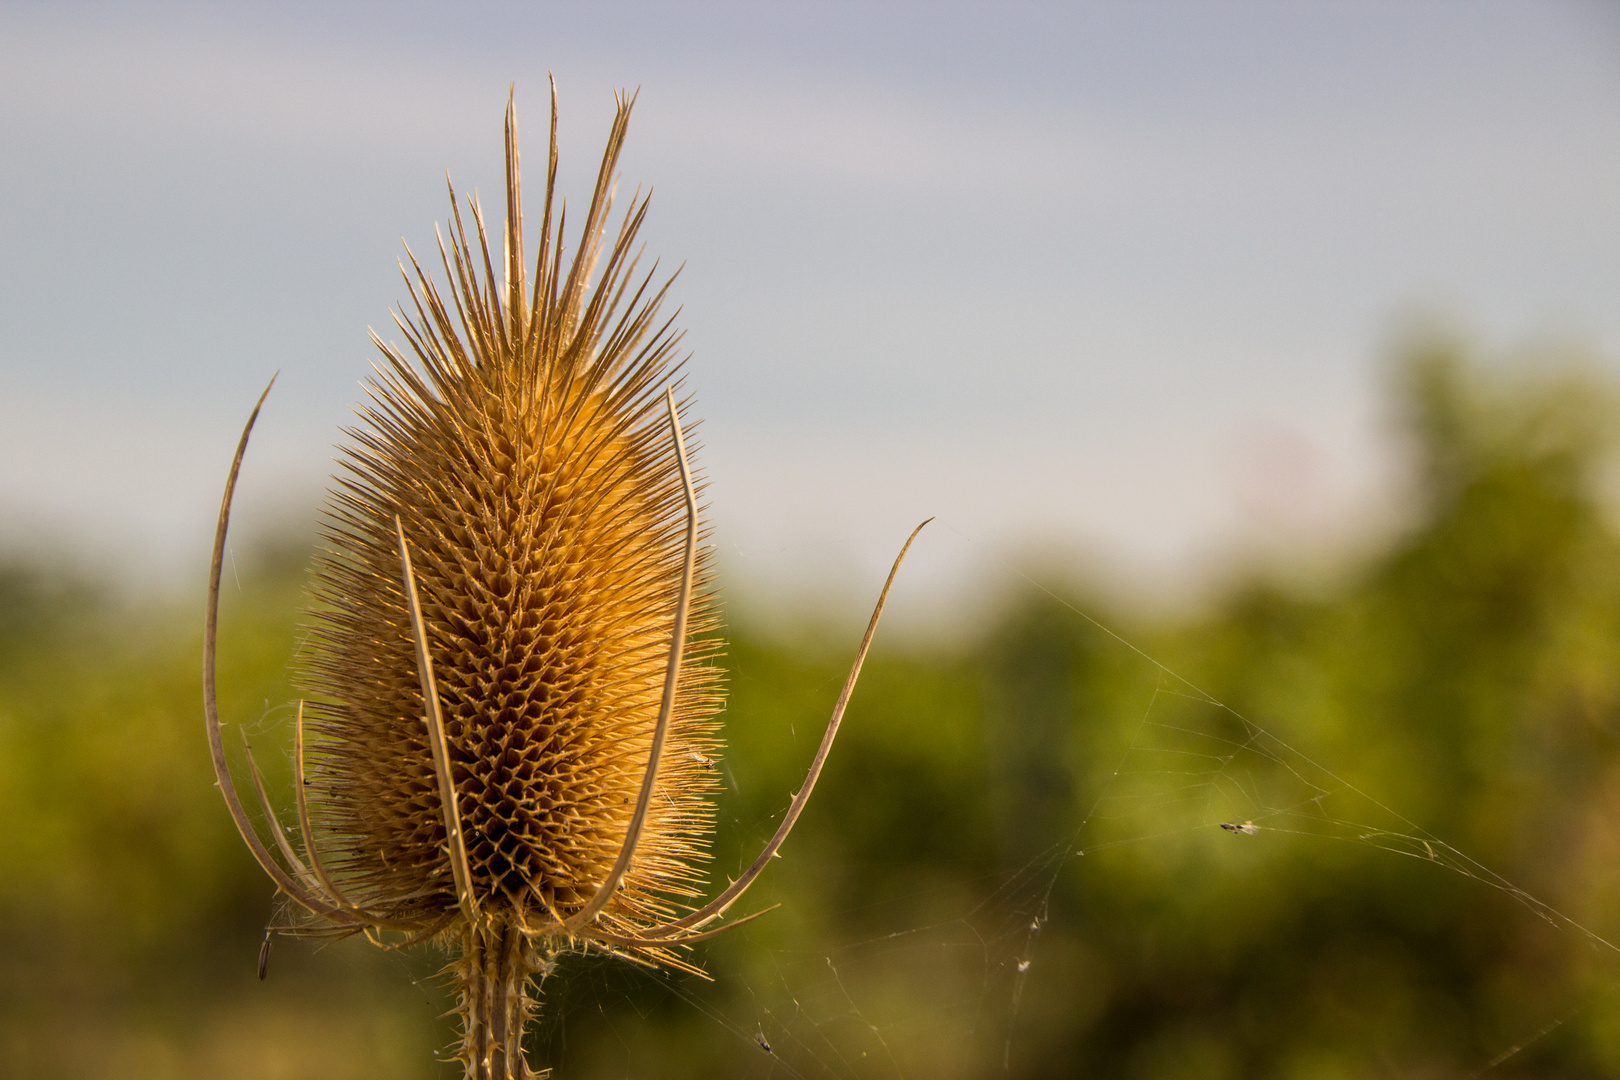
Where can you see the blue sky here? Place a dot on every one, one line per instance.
(1116, 278)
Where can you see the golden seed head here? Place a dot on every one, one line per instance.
(521, 441)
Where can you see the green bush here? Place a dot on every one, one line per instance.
(1014, 864)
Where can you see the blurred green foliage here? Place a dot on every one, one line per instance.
(1014, 865)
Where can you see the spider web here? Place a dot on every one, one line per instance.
(964, 990)
(961, 975)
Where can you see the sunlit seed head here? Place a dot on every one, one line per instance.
(520, 438)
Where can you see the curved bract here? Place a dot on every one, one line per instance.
(511, 736)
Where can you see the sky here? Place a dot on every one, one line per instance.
(1117, 281)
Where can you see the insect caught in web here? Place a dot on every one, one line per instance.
(1247, 828)
(513, 708)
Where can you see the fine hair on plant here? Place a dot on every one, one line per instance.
(513, 718)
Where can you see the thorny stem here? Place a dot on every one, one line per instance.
(492, 976)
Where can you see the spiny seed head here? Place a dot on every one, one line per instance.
(521, 441)
(492, 707)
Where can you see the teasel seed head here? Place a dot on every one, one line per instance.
(514, 721)
(522, 444)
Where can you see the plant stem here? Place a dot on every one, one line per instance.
(493, 975)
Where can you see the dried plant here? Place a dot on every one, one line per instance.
(514, 715)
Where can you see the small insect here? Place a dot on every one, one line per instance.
(264, 957)
(706, 762)
(1247, 828)
(1023, 966)
(763, 1045)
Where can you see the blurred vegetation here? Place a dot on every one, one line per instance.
(1014, 865)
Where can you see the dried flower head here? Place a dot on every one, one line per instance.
(515, 697)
